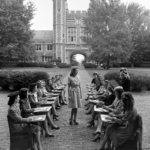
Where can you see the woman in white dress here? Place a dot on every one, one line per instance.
(74, 94)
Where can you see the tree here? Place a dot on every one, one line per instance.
(110, 37)
(15, 34)
(139, 25)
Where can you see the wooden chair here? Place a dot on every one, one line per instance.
(20, 141)
(134, 142)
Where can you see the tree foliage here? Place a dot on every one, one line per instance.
(139, 26)
(15, 34)
(117, 30)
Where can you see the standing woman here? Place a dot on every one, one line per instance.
(74, 94)
(125, 79)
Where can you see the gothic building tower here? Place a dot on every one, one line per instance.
(59, 28)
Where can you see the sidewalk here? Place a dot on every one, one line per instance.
(73, 137)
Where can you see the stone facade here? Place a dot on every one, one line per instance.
(66, 37)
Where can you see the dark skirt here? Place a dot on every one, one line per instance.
(119, 134)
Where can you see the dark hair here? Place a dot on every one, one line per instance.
(111, 89)
(128, 101)
(119, 91)
(72, 73)
(23, 94)
(12, 100)
(32, 87)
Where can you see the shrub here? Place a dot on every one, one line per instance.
(90, 65)
(30, 64)
(14, 80)
(125, 64)
(138, 82)
(115, 64)
(63, 65)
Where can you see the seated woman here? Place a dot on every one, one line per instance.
(124, 127)
(116, 108)
(107, 99)
(43, 93)
(34, 102)
(49, 88)
(14, 113)
(99, 96)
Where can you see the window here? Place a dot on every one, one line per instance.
(71, 34)
(48, 58)
(83, 35)
(49, 47)
(38, 47)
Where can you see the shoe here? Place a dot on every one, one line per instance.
(55, 115)
(91, 124)
(87, 108)
(70, 122)
(95, 133)
(56, 128)
(64, 103)
(49, 135)
(97, 138)
(75, 122)
(58, 108)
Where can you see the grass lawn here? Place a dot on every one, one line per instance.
(142, 103)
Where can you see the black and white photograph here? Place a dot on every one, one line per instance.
(74, 74)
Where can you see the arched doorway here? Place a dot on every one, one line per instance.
(78, 57)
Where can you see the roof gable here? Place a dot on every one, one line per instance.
(43, 36)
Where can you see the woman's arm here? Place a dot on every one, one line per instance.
(14, 115)
(24, 109)
(125, 118)
(32, 101)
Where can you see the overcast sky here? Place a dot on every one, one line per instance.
(43, 18)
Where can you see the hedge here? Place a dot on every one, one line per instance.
(30, 64)
(14, 80)
(139, 83)
(90, 65)
(63, 65)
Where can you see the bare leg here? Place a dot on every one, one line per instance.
(46, 127)
(38, 141)
(99, 124)
(50, 121)
(53, 109)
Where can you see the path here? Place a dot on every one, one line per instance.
(73, 137)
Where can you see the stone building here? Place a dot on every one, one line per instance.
(66, 38)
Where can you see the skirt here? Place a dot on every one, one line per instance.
(74, 97)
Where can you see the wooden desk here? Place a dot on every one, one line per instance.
(52, 99)
(42, 109)
(56, 91)
(39, 118)
(47, 103)
(54, 94)
(106, 119)
(100, 110)
(94, 101)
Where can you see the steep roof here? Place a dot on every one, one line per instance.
(41, 36)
